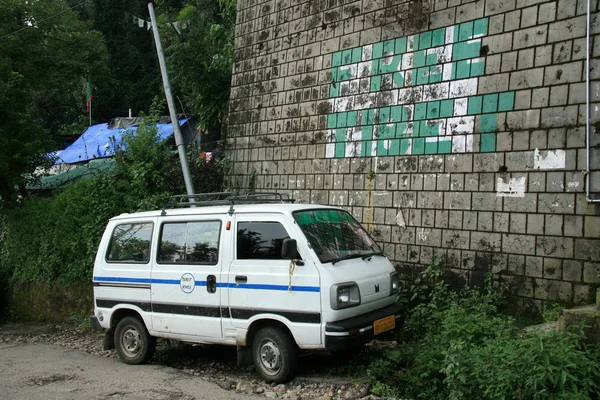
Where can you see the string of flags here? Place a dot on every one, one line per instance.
(178, 26)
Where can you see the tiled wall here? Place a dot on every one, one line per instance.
(454, 130)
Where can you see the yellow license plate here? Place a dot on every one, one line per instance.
(384, 324)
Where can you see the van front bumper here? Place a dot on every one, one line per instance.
(353, 332)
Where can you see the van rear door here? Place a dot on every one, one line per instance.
(185, 273)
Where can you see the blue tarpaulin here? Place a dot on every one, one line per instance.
(96, 142)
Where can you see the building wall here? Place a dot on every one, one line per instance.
(454, 130)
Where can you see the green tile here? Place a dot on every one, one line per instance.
(340, 135)
(340, 150)
(377, 50)
(344, 74)
(401, 129)
(444, 145)
(415, 43)
(388, 47)
(425, 40)
(394, 149)
(488, 142)
(466, 50)
(406, 114)
(463, 69)
(351, 118)
(420, 111)
(391, 67)
(416, 127)
(356, 55)
(419, 59)
(384, 115)
(375, 83)
(506, 101)
(386, 131)
(466, 31)
(435, 75)
(374, 67)
(400, 46)
(347, 57)
(334, 74)
(331, 121)
(490, 103)
(341, 120)
(405, 145)
(431, 147)
(474, 105)
(381, 150)
(438, 37)
(480, 27)
(334, 89)
(431, 59)
(396, 113)
(477, 68)
(433, 109)
(429, 128)
(398, 80)
(488, 123)
(336, 59)
(423, 76)
(418, 146)
(446, 108)
(367, 136)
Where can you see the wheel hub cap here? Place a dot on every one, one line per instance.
(270, 357)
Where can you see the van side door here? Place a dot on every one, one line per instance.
(185, 273)
(261, 283)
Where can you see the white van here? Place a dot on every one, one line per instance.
(258, 272)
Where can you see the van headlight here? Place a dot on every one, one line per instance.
(344, 295)
(394, 283)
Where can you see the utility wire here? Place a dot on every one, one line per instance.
(44, 20)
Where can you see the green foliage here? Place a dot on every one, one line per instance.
(457, 345)
(200, 56)
(55, 240)
(552, 312)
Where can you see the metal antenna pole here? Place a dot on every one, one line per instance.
(167, 85)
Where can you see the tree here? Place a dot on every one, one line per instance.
(46, 53)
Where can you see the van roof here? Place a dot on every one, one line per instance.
(286, 208)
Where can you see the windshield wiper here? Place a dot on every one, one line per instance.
(346, 257)
(376, 253)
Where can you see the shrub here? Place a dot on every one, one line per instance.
(457, 345)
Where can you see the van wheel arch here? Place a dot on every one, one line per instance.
(116, 317)
(263, 323)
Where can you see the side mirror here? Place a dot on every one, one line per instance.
(289, 248)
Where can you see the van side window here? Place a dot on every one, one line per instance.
(190, 243)
(130, 243)
(260, 240)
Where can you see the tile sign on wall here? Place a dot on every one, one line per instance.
(414, 95)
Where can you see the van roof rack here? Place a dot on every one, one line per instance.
(224, 198)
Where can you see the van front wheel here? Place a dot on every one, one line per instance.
(274, 354)
(133, 343)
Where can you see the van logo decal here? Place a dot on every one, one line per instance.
(187, 283)
(377, 288)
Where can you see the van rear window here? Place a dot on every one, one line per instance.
(130, 243)
(190, 243)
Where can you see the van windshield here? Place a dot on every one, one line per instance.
(335, 235)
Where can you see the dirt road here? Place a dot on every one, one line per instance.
(42, 372)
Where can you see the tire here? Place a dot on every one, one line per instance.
(274, 354)
(133, 343)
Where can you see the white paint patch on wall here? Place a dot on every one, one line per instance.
(515, 187)
(400, 219)
(549, 159)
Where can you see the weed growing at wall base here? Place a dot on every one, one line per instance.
(457, 345)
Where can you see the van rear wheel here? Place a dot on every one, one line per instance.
(274, 354)
(133, 343)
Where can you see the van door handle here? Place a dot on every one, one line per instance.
(241, 279)
(211, 284)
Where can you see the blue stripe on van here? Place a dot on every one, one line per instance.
(250, 286)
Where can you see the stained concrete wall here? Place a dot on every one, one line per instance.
(454, 130)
